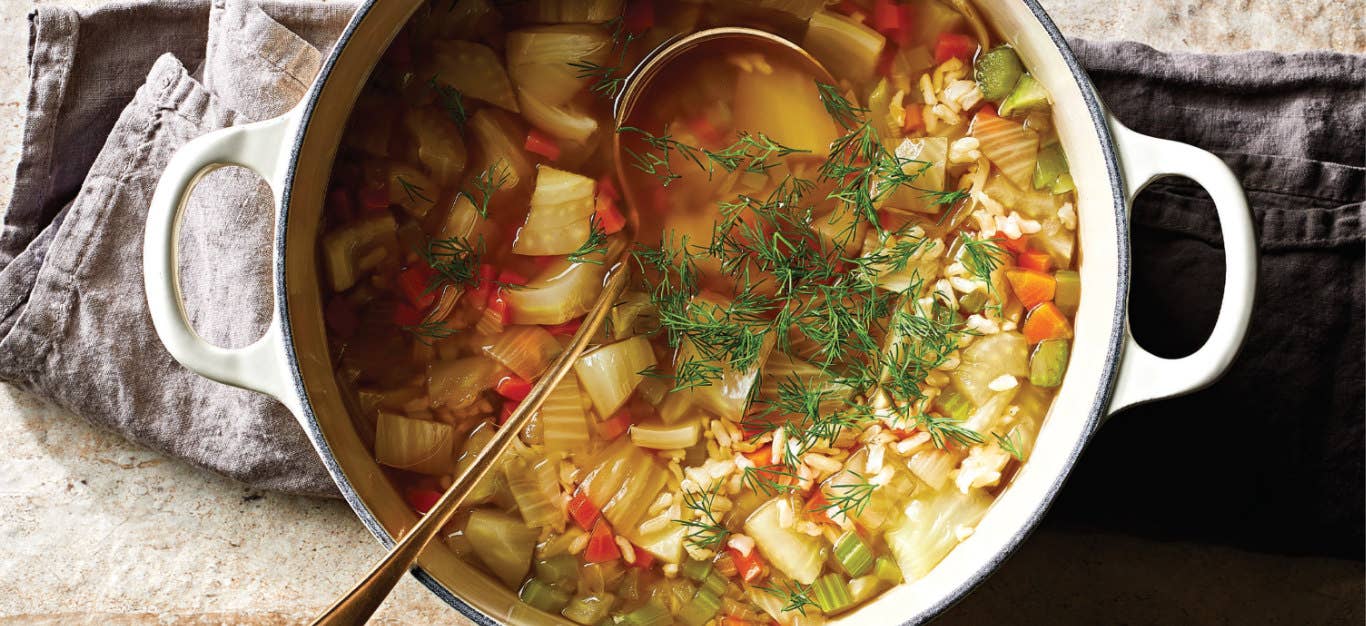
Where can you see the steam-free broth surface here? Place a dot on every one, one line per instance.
(850, 306)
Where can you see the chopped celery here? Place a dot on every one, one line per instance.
(630, 586)
(1067, 295)
(952, 404)
(879, 103)
(526, 350)
(610, 374)
(560, 571)
(848, 48)
(1052, 164)
(853, 554)
(589, 609)
(715, 583)
(793, 553)
(681, 592)
(652, 614)
(659, 436)
(831, 593)
(704, 606)
(997, 71)
(342, 248)
(1048, 363)
(697, 569)
(1028, 94)
(564, 423)
(414, 445)
(1064, 184)
(886, 569)
(973, 301)
(458, 383)
(503, 543)
(542, 596)
(479, 437)
(534, 500)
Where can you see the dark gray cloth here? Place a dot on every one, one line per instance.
(1271, 456)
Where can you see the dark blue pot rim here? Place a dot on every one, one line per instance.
(1099, 404)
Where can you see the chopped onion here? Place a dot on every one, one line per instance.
(564, 121)
(987, 359)
(665, 543)
(1011, 147)
(342, 248)
(933, 466)
(541, 59)
(610, 373)
(634, 314)
(623, 485)
(564, 423)
(1057, 241)
(503, 543)
(480, 436)
(1030, 202)
(414, 445)
(463, 221)
(793, 553)
(500, 138)
(848, 48)
(930, 528)
(562, 291)
(475, 70)
(438, 144)
(917, 154)
(457, 383)
(408, 187)
(573, 11)
(660, 436)
(558, 222)
(535, 501)
(526, 350)
(727, 396)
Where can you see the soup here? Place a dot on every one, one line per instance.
(850, 302)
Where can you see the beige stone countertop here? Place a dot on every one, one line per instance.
(94, 530)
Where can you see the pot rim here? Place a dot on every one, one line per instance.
(1100, 403)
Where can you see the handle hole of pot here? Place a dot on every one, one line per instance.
(1178, 267)
(224, 250)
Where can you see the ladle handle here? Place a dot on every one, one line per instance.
(361, 602)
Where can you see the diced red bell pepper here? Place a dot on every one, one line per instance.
(1015, 246)
(705, 130)
(602, 547)
(373, 198)
(1037, 261)
(893, 20)
(847, 8)
(339, 204)
(513, 387)
(886, 59)
(954, 46)
(566, 329)
(341, 318)
(611, 219)
(750, 568)
(406, 315)
(542, 144)
(643, 559)
(583, 510)
(915, 119)
(988, 110)
(608, 187)
(497, 307)
(422, 500)
(615, 426)
(639, 16)
(415, 282)
(818, 507)
(509, 277)
(506, 413)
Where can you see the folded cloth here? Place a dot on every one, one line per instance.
(111, 100)
(1272, 443)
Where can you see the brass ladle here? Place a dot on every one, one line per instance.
(362, 600)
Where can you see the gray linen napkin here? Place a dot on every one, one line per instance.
(73, 326)
(111, 101)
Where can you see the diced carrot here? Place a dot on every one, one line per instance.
(341, 318)
(422, 500)
(506, 412)
(602, 547)
(818, 507)
(1016, 246)
(373, 198)
(988, 110)
(639, 16)
(509, 277)
(615, 426)
(406, 315)
(540, 143)
(1039, 261)
(566, 329)
(733, 620)
(1046, 322)
(513, 387)
(750, 568)
(889, 18)
(608, 187)
(609, 217)
(583, 510)
(915, 119)
(415, 282)
(643, 559)
(886, 59)
(1032, 287)
(761, 457)
(954, 46)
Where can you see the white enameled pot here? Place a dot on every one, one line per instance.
(1108, 369)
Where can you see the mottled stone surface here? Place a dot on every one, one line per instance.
(95, 530)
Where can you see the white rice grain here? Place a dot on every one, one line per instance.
(1003, 382)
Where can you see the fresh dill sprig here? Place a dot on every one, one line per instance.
(429, 332)
(982, 256)
(594, 245)
(770, 479)
(415, 192)
(705, 530)
(852, 497)
(945, 429)
(1008, 443)
(795, 596)
(455, 260)
(754, 152)
(487, 183)
(609, 79)
(451, 100)
(693, 372)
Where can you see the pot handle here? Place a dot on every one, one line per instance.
(1144, 376)
(257, 147)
